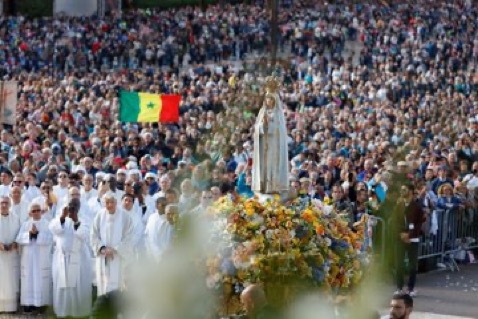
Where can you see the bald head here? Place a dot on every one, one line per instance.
(253, 298)
(16, 194)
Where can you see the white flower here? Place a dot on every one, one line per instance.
(328, 241)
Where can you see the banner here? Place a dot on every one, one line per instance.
(75, 8)
(8, 102)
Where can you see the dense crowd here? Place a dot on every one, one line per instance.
(412, 91)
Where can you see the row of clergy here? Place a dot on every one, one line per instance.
(53, 256)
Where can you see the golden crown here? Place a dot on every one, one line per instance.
(272, 84)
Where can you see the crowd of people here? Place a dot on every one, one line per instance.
(74, 177)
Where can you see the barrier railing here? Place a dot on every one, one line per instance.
(449, 234)
(451, 231)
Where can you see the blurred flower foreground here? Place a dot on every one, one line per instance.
(290, 248)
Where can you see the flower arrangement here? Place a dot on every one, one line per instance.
(270, 242)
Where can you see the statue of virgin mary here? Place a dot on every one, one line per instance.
(270, 165)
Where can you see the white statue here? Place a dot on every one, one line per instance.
(270, 170)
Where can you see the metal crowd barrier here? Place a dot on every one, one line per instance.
(451, 235)
(455, 231)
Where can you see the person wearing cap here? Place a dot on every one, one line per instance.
(99, 176)
(121, 176)
(150, 180)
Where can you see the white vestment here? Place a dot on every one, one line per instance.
(270, 166)
(86, 196)
(138, 227)
(9, 262)
(35, 264)
(71, 269)
(61, 194)
(158, 235)
(150, 208)
(95, 205)
(31, 193)
(4, 190)
(21, 210)
(114, 231)
(50, 213)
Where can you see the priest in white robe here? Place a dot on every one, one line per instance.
(87, 191)
(31, 191)
(19, 205)
(111, 237)
(72, 289)
(160, 231)
(270, 170)
(36, 241)
(61, 191)
(9, 258)
(86, 214)
(138, 226)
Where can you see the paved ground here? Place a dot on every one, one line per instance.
(441, 295)
(449, 293)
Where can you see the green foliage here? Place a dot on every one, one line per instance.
(35, 8)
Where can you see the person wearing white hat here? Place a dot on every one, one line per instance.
(121, 175)
(135, 174)
(99, 178)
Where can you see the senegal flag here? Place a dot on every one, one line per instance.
(148, 107)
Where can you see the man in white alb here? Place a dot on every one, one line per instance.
(111, 238)
(71, 265)
(35, 265)
(19, 205)
(160, 231)
(9, 286)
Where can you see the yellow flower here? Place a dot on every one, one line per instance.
(308, 215)
(250, 211)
